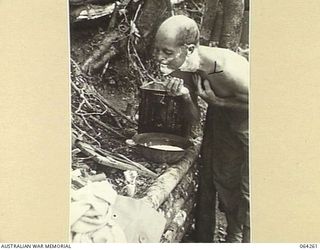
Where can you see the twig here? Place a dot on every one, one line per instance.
(108, 160)
(86, 134)
(80, 106)
(112, 21)
(193, 11)
(76, 65)
(136, 14)
(105, 68)
(169, 7)
(106, 126)
(75, 87)
(137, 56)
(125, 3)
(141, 167)
(88, 113)
(196, 5)
(122, 158)
(132, 61)
(140, 62)
(82, 95)
(115, 109)
(86, 122)
(125, 159)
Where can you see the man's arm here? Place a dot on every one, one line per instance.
(238, 102)
(176, 87)
(191, 111)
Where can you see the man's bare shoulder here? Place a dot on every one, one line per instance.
(233, 69)
(222, 56)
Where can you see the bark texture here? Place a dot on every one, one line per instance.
(208, 21)
(217, 27)
(153, 13)
(232, 24)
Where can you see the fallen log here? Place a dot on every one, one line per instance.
(107, 49)
(90, 11)
(185, 227)
(159, 191)
(179, 196)
(171, 234)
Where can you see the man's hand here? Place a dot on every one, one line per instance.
(175, 87)
(239, 101)
(205, 93)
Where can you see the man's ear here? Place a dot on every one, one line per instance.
(190, 48)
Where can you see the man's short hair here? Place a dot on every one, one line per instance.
(186, 28)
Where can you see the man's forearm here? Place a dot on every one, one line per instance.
(191, 110)
(231, 102)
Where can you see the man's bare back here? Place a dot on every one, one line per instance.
(228, 72)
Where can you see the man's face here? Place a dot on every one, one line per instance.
(168, 53)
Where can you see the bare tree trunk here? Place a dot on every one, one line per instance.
(208, 21)
(232, 23)
(217, 27)
(153, 13)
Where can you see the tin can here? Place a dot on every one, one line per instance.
(160, 112)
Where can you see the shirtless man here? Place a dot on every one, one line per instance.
(221, 78)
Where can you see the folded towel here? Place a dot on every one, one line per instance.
(91, 216)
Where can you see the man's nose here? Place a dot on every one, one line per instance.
(157, 55)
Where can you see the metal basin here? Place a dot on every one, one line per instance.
(146, 142)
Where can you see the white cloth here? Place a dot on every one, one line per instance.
(99, 215)
(140, 222)
(91, 216)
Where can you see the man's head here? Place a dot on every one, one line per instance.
(176, 39)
